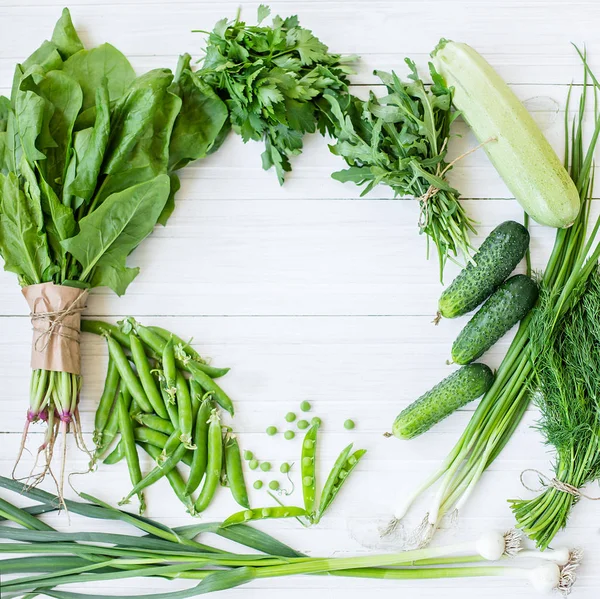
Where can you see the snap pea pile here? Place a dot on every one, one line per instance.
(160, 395)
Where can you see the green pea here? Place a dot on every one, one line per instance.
(273, 485)
(248, 515)
(290, 417)
(302, 424)
(289, 435)
(284, 468)
(309, 443)
(349, 424)
(307, 461)
(271, 430)
(265, 466)
(248, 455)
(343, 474)
(253, 464)
(305, 406)
(266, 512)
(258, 484)
(316, 420)
(307, 481)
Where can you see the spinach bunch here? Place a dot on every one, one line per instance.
(88, 155)
(401, 140)
(273, 79)
(88, 160)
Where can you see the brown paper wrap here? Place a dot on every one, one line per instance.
(56, 321)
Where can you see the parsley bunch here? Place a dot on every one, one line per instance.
(273, 79)
(401, 140)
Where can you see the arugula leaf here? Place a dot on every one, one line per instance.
(23, 243)
(111, 232)
(273, 80)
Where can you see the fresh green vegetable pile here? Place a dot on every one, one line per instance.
(273, 80)
(160, 394)
(87, 159)
(91, 557)
(572, 262)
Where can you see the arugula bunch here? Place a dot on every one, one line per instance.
(88, 161)
(273, 80)
(401, 140)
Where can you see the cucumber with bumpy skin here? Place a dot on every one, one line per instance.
(497, 257)
(505, 307)
(461, 387)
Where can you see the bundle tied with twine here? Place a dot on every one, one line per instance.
(56, 323)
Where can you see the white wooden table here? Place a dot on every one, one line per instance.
(308, 292)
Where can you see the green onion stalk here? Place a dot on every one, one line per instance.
(501, 409)
(56, 558)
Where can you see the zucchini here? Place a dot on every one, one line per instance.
(461, 387)
(519, 151)
(497, 257)
(506, 306)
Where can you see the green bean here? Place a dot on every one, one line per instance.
(169, 367)
(199, 460)
(308, 468)
(342, 476)
(127, 375)
(112, 427)
(174, 477)
(129, 448)
(264, 513)
(331, 480)
(235, 472)
(184, 407)
(213, 469)
(160, 336)
(146, 379)
(116, 455)
(155, 423)
(156, 473)
(107, 400)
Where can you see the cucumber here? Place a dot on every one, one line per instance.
(497, 257)
(506, 306)
(461, 387)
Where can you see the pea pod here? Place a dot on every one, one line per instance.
(155, 423)
(127, 375)
(156, 473)
(146, 379)
(156, 337)
(174, 478)
(169, 368)
(169, 402)
(171, 445)
(129, 448)
(107, 400)
(308, 469)
(235, 472)
(116, 455)
(112, 426)
(207, 383)
(184, 407)
(263, 514)
(213, 469)
(339, 474)
(199, 461)
(147, 436)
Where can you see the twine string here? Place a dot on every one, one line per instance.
(553, 483)
(47, 324)
(432, 190)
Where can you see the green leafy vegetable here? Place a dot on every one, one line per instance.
(401, 140)
(273, 80)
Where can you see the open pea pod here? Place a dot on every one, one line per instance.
(264, 513)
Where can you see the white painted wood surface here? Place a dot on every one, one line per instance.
(308, 292)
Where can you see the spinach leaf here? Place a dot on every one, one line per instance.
(170, 205)
(91, 67)
(112, 231)
(23, 243)
(203, 115)
(65, 37)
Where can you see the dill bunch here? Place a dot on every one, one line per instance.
(566, 363)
